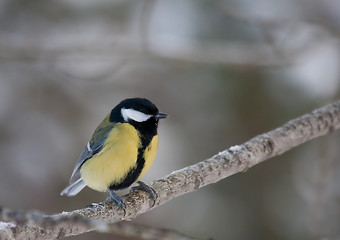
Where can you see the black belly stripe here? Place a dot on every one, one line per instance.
(134, 173)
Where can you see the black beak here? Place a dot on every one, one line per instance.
(161, 115)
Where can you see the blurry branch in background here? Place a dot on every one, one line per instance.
(218, 52)
(284, 42)
(137, 231)
(288, 39)
(276, 41)
(281, 43)
(236, 159)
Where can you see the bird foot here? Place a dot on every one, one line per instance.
(114, 197)
(143, 186)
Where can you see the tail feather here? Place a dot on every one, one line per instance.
(74, 188)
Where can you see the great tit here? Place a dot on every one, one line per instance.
(120, 151)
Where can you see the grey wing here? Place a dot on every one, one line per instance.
(76, 183)
(91, 149)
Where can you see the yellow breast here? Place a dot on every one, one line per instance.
(115, 160)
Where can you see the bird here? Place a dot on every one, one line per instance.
(120, 151)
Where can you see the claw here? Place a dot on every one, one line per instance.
(146, 188)
(114, 197)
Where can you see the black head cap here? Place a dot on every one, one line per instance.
(141, 105)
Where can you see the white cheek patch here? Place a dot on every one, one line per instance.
(134, 115)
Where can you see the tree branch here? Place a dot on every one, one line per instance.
(231, 161)
(34, 225)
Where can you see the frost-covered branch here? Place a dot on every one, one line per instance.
(226, 163)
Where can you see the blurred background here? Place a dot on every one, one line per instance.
(224, 71)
